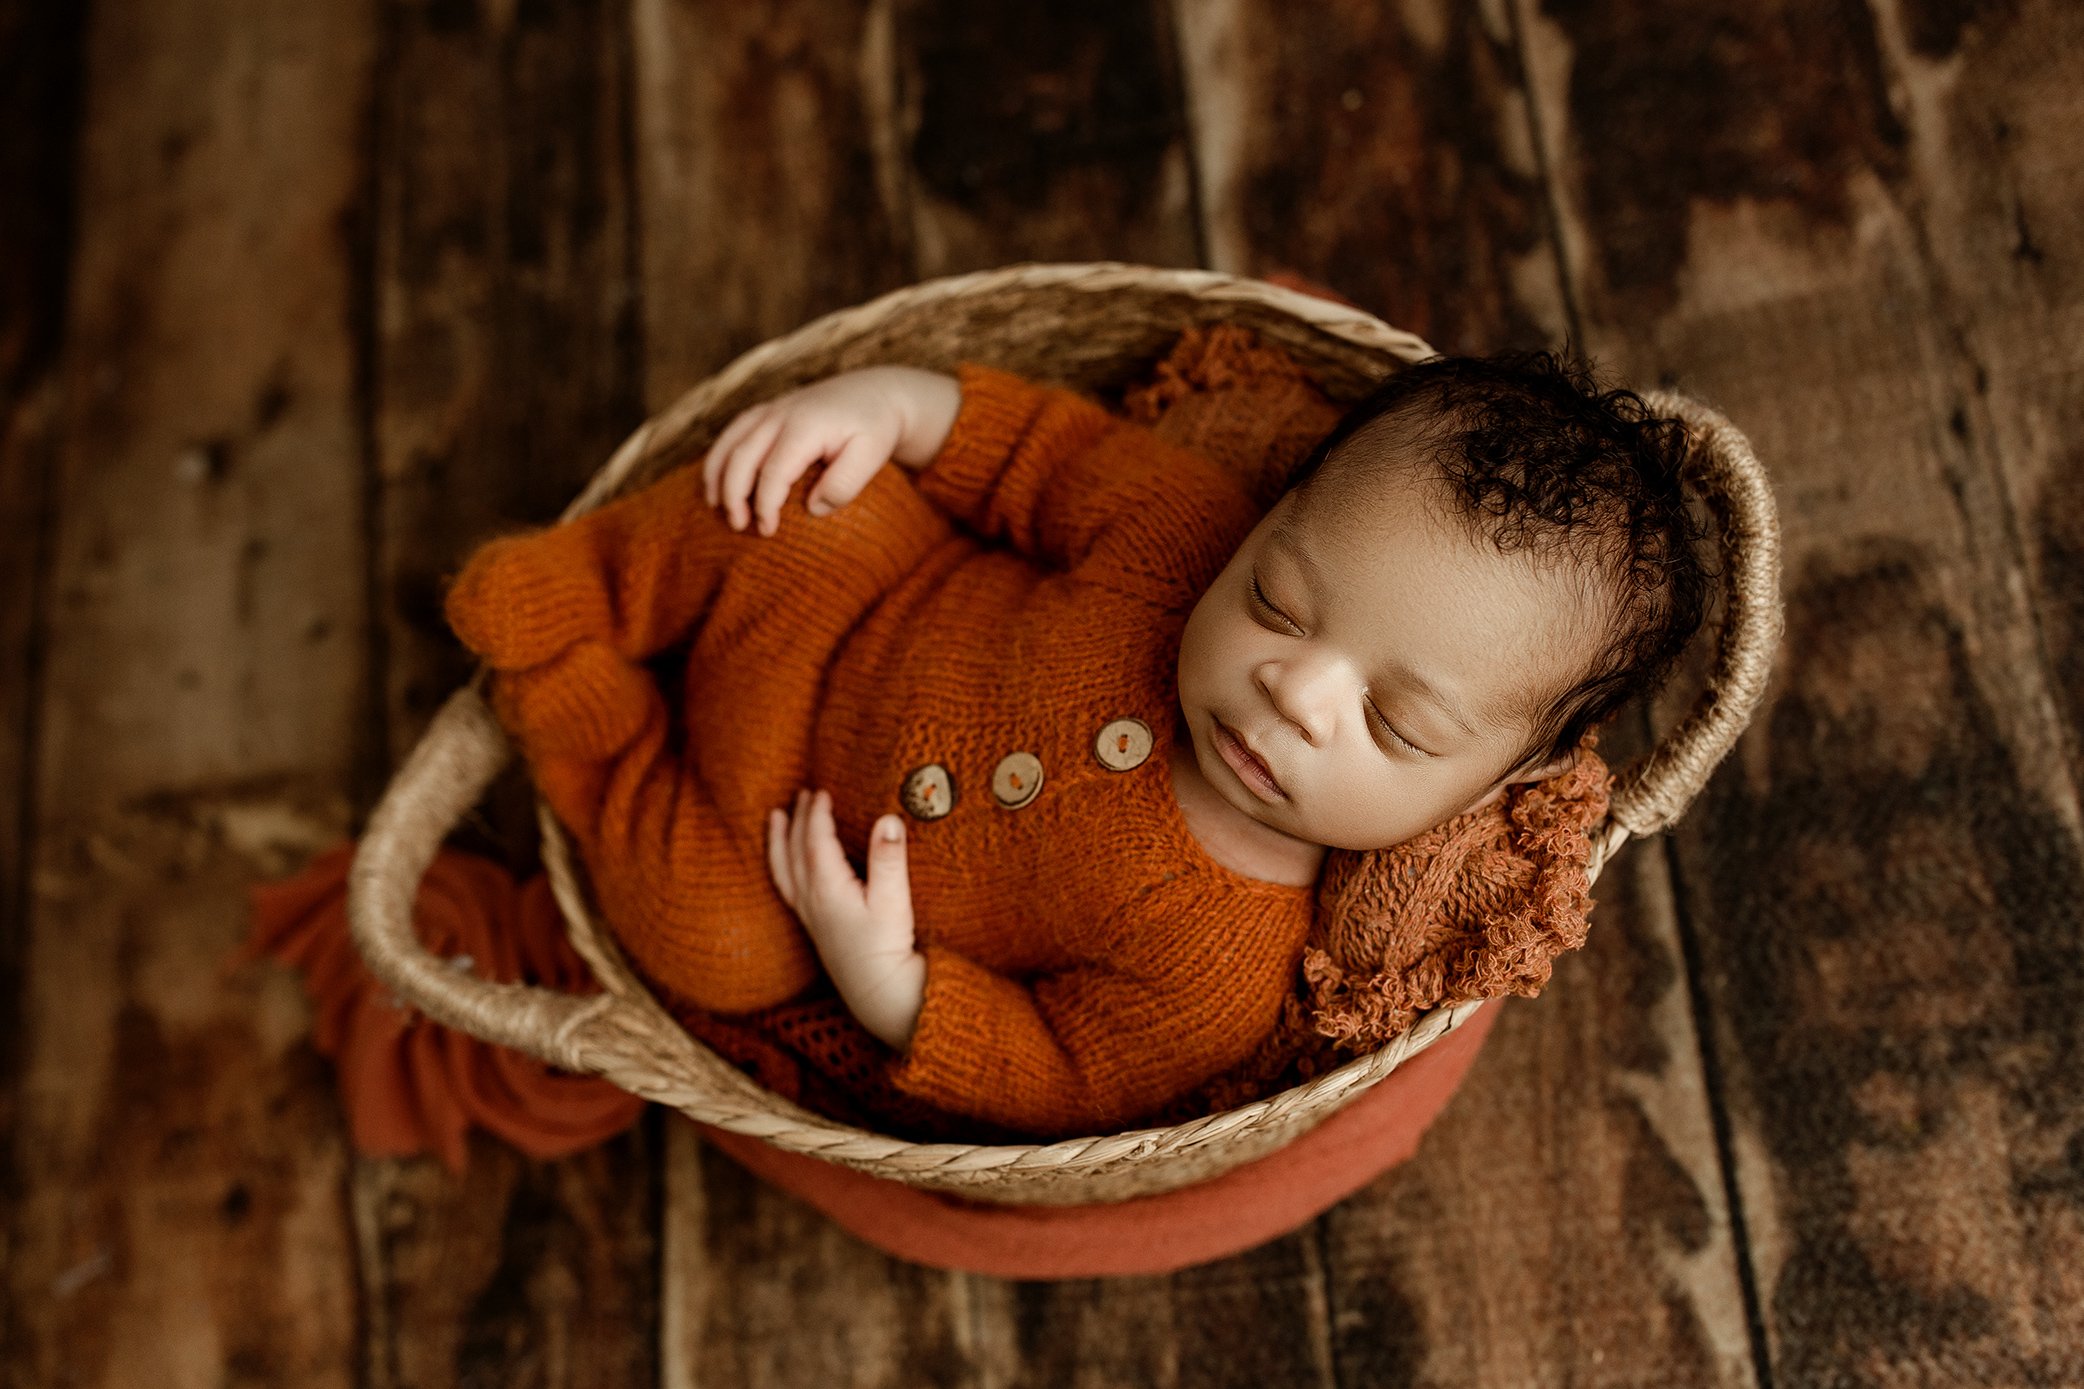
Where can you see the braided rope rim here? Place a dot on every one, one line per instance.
(623, 1034)
(1655, 791)
(672, 424)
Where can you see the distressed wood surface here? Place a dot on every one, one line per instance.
(41, 60)
(178, 1211)
(1566, 1218)
(1565, 1221)
(1382, 149)
(1884, 887)
(759, 1289)
(1042, 133)
(1261, 1317)
(769, 197)
(767, 174)
(321, 295)
(1991, 115)
(506, 369)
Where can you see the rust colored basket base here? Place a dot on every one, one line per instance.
(1226, 1215)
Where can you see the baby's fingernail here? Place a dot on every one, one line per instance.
(818, 507)
(893, 828)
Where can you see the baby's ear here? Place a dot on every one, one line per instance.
(1541, 773)
(1553, 767)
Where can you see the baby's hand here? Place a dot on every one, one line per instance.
(864, 936)
(858, 420)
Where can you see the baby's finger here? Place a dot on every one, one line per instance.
(799, 859)
(828, 855)
(831, 882)
(792, 454)
(735, 481)
(713, 461)
(889, 884)
(848, 473)
(743, 465)
(778, 856)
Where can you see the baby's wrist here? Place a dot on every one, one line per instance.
(885, 994)
(927, 404)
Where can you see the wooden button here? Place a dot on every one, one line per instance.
(1123, 744)
(1017, 779)
(928, 792)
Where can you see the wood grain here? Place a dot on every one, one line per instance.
(1042, 133)
(1565, 1220)
(761, 1290)
(522, 1272)
(1884, 887)
(764, 148)
(505, 371)
(1991, 117)
(1257, 1318)
(178, 1212)
(41, 63)
(1382, 149)
(765, 158)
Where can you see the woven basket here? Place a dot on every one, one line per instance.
(1092, 327)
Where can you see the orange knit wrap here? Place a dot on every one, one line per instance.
(1474, 908)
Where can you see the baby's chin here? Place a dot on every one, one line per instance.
(1275, 818)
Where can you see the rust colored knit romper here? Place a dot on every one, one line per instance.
(992, 622)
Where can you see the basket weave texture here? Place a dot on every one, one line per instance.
(1092, 327)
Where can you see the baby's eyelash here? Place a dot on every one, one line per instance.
(1390, 729)
(1259, 597)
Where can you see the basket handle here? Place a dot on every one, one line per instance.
(463, 749)
(1654, 791)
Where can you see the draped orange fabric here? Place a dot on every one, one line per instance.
(409, 1084)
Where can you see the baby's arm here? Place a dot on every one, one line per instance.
(1055, 477)
(1084, 1049)
(1044, 470)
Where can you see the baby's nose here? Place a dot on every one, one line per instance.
(1309, 698)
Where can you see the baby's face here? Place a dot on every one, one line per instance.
(1399, 667)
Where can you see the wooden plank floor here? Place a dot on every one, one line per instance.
(299, 302)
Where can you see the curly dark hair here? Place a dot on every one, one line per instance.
(1542, 455)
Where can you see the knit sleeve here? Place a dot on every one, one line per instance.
(1084, 1050)
(1054, 476)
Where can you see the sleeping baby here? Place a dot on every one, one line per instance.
(1088, 716)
